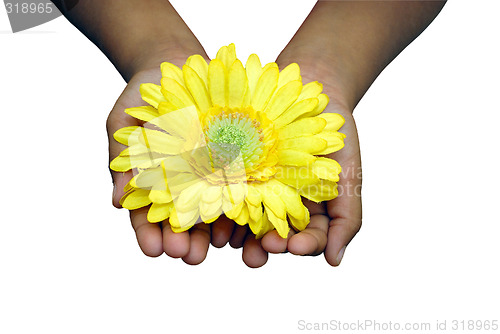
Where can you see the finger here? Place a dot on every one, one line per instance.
(272, 242)
(222, 230)
(148, 235)
(345, 210)
(254, 255)
(238, 236)
(312, 240)
(200, 240)
(175, 244)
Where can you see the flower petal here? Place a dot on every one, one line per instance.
(254, 71)
(238, 84)
(309, 144)
(311, 89)
(327, 169)
(145, 113)
(322, 191)
(135, 199)
(159, 212)
(227, 54)
(283, 99)
(217, 83)
(295, 158)
(280, 224)
(296, 110)
(199, 65)
(176, 93)
(323, 100)
(183, 221)
(211, 194)
(197, 88)
(302, 127)
(242, 218)
(333, 121)
(189, 198)
(300, 224)
(296, 177)
(289, 73)
(151, 93)
(334, 139)
(169, 70)
(265, 88)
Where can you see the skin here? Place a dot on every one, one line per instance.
(342, 44)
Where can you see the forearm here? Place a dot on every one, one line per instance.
(135, 34)
(353, 41)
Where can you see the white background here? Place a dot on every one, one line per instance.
(428, 250)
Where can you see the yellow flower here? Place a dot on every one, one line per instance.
(223, 138)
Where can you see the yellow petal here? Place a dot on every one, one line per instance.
(295, 158)
(176, 163)
(254, 71)
(217, 83)
(151, 93)
(260, 227)
(145, 114)
(149, 177)
(210, 210)
(302, 127)
(182, 221)
(159, 212)
(169, 70)
(253, 195)
(232, 211)
(309, 144)
(289, 73)
(135, 199)
(283, 99)
(180, 123)
(323, 191)
(280, 224)
(323, 100)
(327, 169)
(293, 202)
(312, 89)
(300, 223)
(255, 212)
(122, 135)
(334, 139)
(197, 88)
(212, 194)
(296, 110)
(125, 163)
(265, 88)
(159, 141)
(237, 84)
(296, 177)
(227, 54)
(189, 198)
(270, 192)
(235, 192)
(176, 93)
(199, 65)
(242, 218)
(333, 121)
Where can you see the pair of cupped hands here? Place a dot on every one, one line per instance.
(333, 224)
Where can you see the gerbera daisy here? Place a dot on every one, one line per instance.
(223, 138)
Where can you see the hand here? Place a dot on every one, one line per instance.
(153, 239)
(334, 224)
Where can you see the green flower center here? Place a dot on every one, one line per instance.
(234, 140)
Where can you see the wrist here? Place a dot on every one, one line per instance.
(325, 70)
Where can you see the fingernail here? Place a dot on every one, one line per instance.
(114, 191)
(340, 255)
